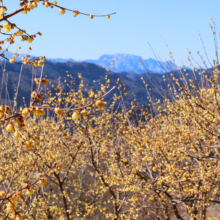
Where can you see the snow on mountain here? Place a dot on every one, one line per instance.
(129, 63)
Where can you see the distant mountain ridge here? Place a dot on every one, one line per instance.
(129, 63)
(122, 63)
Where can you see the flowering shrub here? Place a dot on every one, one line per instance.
(71, 155)
(12, 31)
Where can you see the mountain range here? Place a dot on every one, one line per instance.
(122, 63)
(130, 63)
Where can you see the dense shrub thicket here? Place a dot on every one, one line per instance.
(73, 156)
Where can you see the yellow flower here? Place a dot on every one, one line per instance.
(1, 11)
(42, 112)
(10, 128)
(30, 39)
(75, 14)
(55, 2)
(31, 110)
(28, 145)
(34, 94)
(84, 112)
(44, 81)
(24, 11)
(19, 33)
(76, 116)
(16, 196)
(34, 4)
(2, 193)
(42, 182)
(5, 25)
(10, 207)
(12, 60)
(84, 101)
(62, 11)
(29, 191)
(29, 5)
(100, 104)
(25, 111)
(8, 109)
(91, 94)
(13, 216)
(58, 111)
(7, 29)
(19, 217)
(16, 134)
(58, 166)
(2, 108)
(37, 80)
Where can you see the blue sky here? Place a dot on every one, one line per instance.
(136, 23)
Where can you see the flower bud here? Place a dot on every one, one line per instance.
(76, 116)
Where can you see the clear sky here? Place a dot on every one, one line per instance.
(136, 23)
